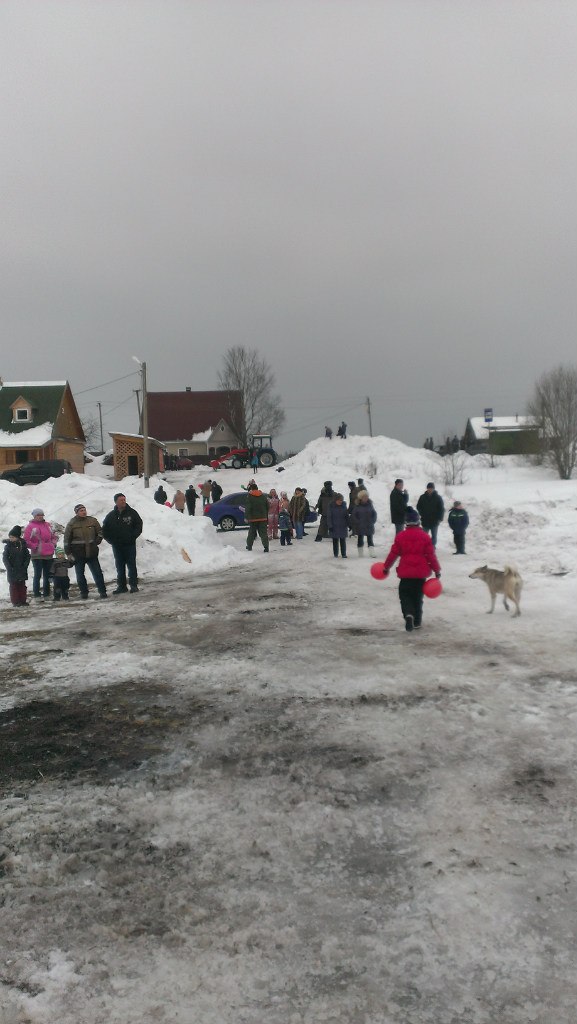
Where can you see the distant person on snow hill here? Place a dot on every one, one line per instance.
(431, 510)
(179, 501)
(418, 560)
(398, 499)
(160, 495)
(458, 522)
(342, 431)
(205, 490)
(121, 528)
(191, 498)
(328, 433)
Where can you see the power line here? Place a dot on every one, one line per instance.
(115, 381)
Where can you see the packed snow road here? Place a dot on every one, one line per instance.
(253, 797)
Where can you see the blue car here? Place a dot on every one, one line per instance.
(228, 513)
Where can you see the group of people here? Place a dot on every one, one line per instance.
(431, 510)
(51, 561)
(210, 491)
(341, 432)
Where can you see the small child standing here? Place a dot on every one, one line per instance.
(16, 558)
(59, 573)
(284, 520)
(458, 521)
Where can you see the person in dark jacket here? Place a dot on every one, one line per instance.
(363, 519)
(120, 528)
(431, 510)
(82, 537)
(191, 498)
(325, 498)
(215, 491)
(418, 560)
(353, 491)
(16, 558)
(59, 572)
(256, 515)
(458, 521)
(338, 525)
(398, 500)
(160, 495)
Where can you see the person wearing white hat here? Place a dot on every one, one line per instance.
(41, 539)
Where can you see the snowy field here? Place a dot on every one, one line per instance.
(245, 794)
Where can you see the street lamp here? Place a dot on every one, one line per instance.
(146, 453)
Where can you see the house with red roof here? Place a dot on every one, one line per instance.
(199, 425)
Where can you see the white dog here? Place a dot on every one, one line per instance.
(508, 583)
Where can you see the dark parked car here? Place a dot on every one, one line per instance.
(36, 472)
(229, 511)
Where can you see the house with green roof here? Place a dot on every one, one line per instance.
(39, 420)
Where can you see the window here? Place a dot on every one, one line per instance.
(21, 457)
(183, 451)
(21, 414)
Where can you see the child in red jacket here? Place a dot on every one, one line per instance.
(418, 560)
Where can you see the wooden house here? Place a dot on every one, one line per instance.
(39, 420)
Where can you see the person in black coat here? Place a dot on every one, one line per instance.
(363, 519)
(191, 498)
(160, 495)
(432, 511)
(325, 498)
(16, 558)
(215, 491)
(399, 499)
(120, 528)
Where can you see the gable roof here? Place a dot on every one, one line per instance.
(178, 415)
(44, 397)
(481, 429)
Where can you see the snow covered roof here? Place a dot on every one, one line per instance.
(35, 437)
(203, 436)
(33, 383)
(481, 429)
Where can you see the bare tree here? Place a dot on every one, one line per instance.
(246, 371)
(91, 428)
(554, 407)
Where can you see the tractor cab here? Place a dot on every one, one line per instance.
(260, 441)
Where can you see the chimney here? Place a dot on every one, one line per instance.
(188, 389)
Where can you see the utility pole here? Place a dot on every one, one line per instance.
(145, 428)
(146, 452)
(99, 404)
(369, 415)
(137, 393)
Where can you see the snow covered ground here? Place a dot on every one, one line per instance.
(246, 794)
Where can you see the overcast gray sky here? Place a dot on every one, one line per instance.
(378, 196)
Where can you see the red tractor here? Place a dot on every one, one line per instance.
(259, 445)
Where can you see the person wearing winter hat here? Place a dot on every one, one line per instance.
(325, 498)
(417, 560)
(431, 510)
(458, 521)
(16, 558)
(59, 570)
(41, 539)
(363, 518)
(82, 537)
(121, 528)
